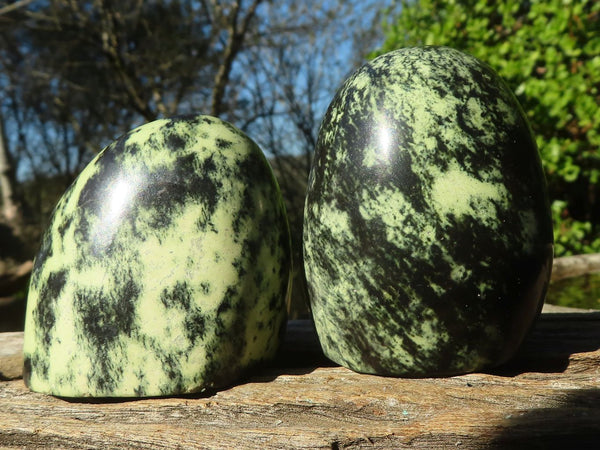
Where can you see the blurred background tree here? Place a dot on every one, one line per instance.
(549, 54)
(76, 74)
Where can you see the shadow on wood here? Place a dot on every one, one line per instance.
(552, 341)
(574, 422)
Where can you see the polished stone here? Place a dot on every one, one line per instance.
(165, 268)
(427, 233)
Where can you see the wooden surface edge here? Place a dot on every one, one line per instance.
(300, 346)
(575, 266)
(549, 395)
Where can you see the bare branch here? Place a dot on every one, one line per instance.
(14, 6)
(234, 44)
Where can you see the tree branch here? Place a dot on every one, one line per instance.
(110, 43)
(234, 44)
(14, 6)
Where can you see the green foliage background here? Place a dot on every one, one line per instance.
(548, 51)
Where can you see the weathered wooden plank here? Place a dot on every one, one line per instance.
(575, 266)
(11, 355)
(548, 396)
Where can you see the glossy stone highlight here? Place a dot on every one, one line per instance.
(428, 236)
(164, 270)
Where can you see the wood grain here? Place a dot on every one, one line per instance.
(11, 355)
(548, 396)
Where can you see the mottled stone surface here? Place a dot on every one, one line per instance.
(428, 236)
(165, 267)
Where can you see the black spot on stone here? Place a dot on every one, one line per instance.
(195, 325)
(34, 364)
(274, 302)
(118, 146)
(140, 391)
(179, 296)
(204, 223)
(321, 260)
(175, 142)
(173, 370)
(205, 286)
(106, 317)
(188, 118)
(260, 179)
(239, 267)
(187, 181)
(469, 130)
(81, 235)
(205, 184)
(258, 278)
(45, 252)
(223, 144)
(226, 303)
(106, 379)
(64, 226)
(27, 368)
(56, 283)
(132, 151)
(44, 312)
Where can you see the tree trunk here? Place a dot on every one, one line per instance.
(10, 206)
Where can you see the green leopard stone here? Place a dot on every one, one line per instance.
(427, 233)
(165, 268)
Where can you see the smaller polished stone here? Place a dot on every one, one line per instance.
(164, 270)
